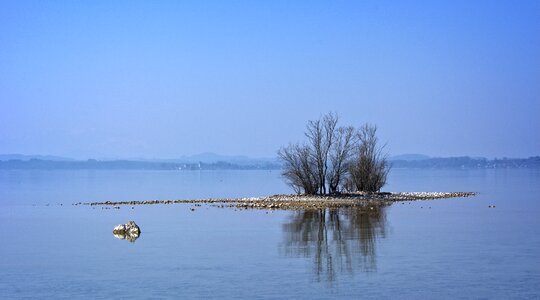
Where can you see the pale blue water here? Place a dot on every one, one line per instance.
(453, 248)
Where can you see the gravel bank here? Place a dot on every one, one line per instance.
(291, 201)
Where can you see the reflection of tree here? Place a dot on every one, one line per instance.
(339, 240)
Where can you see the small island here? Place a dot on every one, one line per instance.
(302, 202)
(338, 166)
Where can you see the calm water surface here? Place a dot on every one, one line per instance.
(453, 248)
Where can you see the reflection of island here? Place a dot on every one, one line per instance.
(338, 240)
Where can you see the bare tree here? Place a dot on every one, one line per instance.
(335, 157)
(369, 169)
(340, 155)
(320, 134)
(299, 168)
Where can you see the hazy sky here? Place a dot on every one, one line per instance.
(162, 79)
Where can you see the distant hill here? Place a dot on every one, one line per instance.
(212, 161)
(92, 164)
(466, 162)
(209, 157)
(203, 161)
(409, 157)
(23, 157)
(206, 157)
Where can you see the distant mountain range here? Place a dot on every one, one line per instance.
(6, 157)
(203, 161)
(209, 157)
(409, 157)
(466, 162)
(205, 157)
(212, 161)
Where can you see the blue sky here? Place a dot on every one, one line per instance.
(164, 79)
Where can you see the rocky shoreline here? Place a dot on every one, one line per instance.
(293, 201)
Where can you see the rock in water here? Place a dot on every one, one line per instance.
(129, 231)
(119, 228)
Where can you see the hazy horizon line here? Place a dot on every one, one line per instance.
(223, 156)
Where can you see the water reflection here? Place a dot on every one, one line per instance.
(130, 237)
(340, 240)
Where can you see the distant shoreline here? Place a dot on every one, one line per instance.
(293, 201)
(464, 162)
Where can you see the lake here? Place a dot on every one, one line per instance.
(451, 248)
